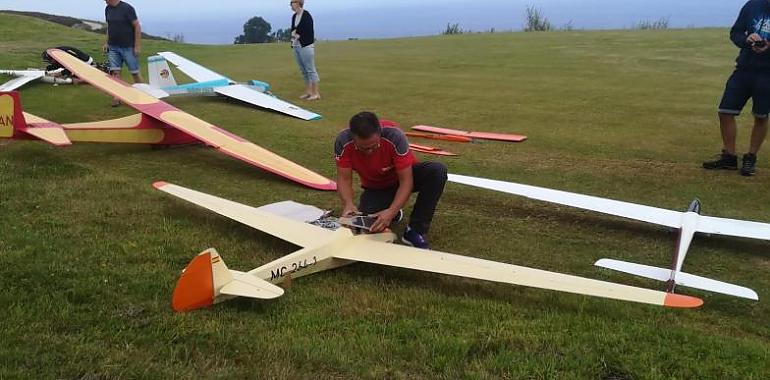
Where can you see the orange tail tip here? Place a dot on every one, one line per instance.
(195, 288)
(677, 300)
(158, 185)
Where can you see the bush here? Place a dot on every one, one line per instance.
(661, 23)
(536, 21)
(453, 29)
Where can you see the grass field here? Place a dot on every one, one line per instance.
(89, 252)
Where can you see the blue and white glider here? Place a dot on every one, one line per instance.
(209, 82)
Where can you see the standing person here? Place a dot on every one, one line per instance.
(751, 79)
(124, 40)
(389, 175)
(303, 43)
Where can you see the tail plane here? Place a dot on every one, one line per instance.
(160, 73)
(680, 278)
(207, 281)
(14, 123)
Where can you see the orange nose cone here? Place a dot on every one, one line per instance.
(195, 288)
(677, 300)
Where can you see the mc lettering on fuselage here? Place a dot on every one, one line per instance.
(6, 116)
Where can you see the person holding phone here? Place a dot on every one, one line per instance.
(389, 173)
(750, 80)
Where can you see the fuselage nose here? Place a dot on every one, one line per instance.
(694, 206)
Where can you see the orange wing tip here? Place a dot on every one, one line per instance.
(195, 288)
(678, 300)
(160, 184)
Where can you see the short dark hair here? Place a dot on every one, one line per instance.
(364, 125)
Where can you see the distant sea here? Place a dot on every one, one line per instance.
(390, 22)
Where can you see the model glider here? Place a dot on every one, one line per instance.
(207, 280)
(22, 77)
(433, 136)
(157, 124)
(688, 223)
(211, 83)
(473, 135)
(430, 150)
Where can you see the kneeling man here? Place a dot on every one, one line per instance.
(389, 174)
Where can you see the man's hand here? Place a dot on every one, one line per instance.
(349, 210)
(105, 48)
(137, 50)
(384, 218)
(757, 43)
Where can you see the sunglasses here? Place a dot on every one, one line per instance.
(370, 148)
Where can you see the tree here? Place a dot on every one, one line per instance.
(281, 35)
(255, 31)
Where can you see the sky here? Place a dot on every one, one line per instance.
(211, 22)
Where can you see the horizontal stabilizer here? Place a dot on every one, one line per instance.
(682, 279)
(246, 285)
(152, 91)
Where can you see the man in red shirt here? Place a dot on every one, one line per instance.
(389, 174)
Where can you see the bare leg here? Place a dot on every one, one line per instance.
(138, 78)
(729, 131)
(758, 134)
(315, 89)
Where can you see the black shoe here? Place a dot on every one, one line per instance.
(749, 164)
(722, 161)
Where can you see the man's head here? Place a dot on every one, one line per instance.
(112, 3)
(366, 130)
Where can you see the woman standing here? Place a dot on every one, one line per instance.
(302, 41)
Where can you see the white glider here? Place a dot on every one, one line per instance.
(688, 223)
(207, 280)
(23, 77)
(209, 82)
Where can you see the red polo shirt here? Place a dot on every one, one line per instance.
(378, 169)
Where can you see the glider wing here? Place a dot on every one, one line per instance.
(22, 78)
(463, 266)
(298, 233)
(628, 210)
(245, 94)
(226, 142)
(733, 227)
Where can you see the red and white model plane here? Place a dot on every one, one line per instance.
(158, 123)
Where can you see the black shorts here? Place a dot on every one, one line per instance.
(745, 84)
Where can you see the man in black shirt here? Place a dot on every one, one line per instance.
(124, 39)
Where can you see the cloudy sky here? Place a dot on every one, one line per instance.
(207, 21)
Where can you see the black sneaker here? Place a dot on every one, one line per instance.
(722, 161)
(749, 164)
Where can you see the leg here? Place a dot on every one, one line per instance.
(729, 129)
(758, 134)
(311, 75)
(373, 201)
(133, 64)
(429, 181)
(301, 65)
(115, 60)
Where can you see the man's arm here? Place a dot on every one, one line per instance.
(405, 186)
(738, 33)
(137, 37)
(345, 190)
(106, 39)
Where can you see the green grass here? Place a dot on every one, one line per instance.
(89, 252)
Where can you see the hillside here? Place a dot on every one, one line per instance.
(90, 252)
(72, 22)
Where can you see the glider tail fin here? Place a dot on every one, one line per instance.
(207, 281)
(160, 73)
(11, 116)
(682, 279)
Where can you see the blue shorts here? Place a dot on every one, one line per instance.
(745, 84)
(118, 55)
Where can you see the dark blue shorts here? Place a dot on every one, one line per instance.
(745, 84)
